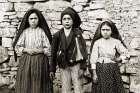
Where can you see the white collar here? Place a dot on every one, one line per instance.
(67, 32)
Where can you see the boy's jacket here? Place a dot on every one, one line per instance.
(64, 49)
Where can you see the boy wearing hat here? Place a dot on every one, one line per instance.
(69, 51)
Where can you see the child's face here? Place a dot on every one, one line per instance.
(106, 31)
(67, 21)
(33, 20)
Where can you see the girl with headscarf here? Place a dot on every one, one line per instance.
(107, 50)
(33, 44)
(69, 51)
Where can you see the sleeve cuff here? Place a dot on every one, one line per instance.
(19, 51)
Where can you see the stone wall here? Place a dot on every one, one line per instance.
(125, 13)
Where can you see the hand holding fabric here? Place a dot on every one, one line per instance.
(52, 75)
(94, 76)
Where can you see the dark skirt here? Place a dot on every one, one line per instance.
(109, 78)
(33, 74)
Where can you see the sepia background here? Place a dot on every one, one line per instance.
(124, 13)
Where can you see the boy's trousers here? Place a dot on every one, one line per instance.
(71, 76)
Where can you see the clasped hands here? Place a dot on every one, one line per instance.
(33, 51)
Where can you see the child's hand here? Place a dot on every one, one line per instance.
(52, 75)
(36, 51)
(29, 51)
(33, 51)
(94, 76)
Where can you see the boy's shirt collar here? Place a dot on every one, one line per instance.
(67, 31)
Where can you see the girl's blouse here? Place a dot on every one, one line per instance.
(104, 50)
(33, 38)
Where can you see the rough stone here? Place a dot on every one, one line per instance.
(5, 16)
(95, 6)
(135, 84)
(98, 14)
(14, 23)
(52, 17)
(6, 42)
(1, 15)
(85, 26)
(1, 32)
(83, 15)
(56, 25)
(13, 17)
(125, 79)
(1, 1)
(131, 68)
(82, 2)
(50, 6)
(3, 54)
(9, 32)
(20, 14)
(86, 35)
(12, 63)
(9, 13)
(6, 6)
(14, 20)
(90, 26)
(6, 20)
(21, 7)
(25, 0)
(78, 8)
(78, 1)
(122, 68)
(4, 24)
(42, 7)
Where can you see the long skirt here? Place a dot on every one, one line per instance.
(109, 78)
(33, 74)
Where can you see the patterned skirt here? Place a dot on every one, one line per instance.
(33, 75)
(109, 78)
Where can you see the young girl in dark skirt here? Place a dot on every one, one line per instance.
(32, 43)
(107, 50)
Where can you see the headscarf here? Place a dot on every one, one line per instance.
(74, 15)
